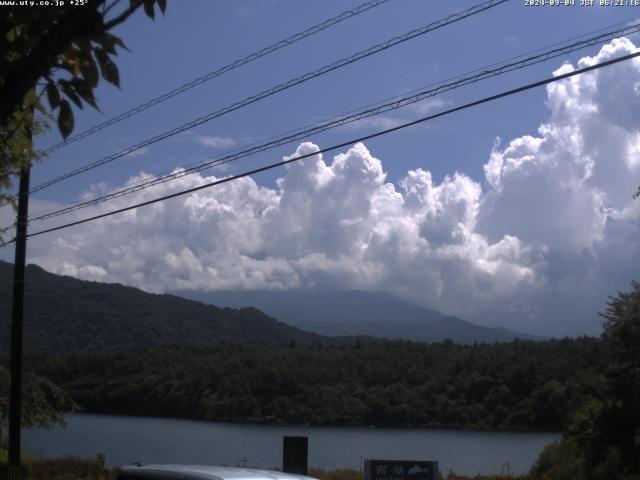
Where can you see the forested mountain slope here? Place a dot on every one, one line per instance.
(65, 314)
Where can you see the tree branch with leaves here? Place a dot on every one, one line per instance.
(39, 44)
(45, 403)
(57, 53)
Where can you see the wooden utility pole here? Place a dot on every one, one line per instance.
(14, 468)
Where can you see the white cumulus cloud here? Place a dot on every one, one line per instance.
(537, 245)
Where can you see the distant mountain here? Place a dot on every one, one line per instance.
(351, 312)
(64, 314)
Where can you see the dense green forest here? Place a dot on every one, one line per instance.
(518, 385)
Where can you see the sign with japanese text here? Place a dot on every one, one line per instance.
(400, 470)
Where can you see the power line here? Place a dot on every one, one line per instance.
(209, 163)
(278, 88)
(345, 144)
(629, 29)
(4, 231)
(221, 71)
(398, 102)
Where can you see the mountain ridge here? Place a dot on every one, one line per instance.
(356, 312)
(67, 314)
(63, 313)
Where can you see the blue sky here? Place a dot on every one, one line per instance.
(199, 36)
(531, 231)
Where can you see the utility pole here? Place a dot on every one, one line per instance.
(14, 469)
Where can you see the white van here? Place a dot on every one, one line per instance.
(201, 472)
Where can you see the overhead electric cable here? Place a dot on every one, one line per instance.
(221, 71)
(344, 144)
(398, 102)
(278, 88)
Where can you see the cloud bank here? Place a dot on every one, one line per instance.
(537, 245)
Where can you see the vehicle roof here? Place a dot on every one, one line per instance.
(203, 472)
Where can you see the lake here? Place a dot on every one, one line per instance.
(157, 440)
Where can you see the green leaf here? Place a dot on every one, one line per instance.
(29, 99)
(53, 95)
(83, 89)
(40, 108)
(148, 9)
(83, 45)
(71, 61)
(70, 93)
(90, 71)
(65, 119)
(107, 67)
(65, 66)
(163, 5)
(108, 42)
(118, 41)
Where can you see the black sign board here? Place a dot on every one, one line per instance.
(295, 455)
(400, 470)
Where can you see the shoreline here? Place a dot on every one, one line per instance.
(359, 427)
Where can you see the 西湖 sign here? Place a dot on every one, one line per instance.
(400, 470)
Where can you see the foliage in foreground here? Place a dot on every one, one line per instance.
(43, 402)
(560, 460)
(69, 49)
(60, 52)
(602, 439)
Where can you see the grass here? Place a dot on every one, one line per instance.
(453, 476)
(340, 474)
(343, 474)
(4, 456)
(64, 468)
(68, 468)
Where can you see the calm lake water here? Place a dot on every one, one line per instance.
(158, 440)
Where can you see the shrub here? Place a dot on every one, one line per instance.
(559, 461)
